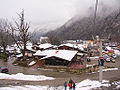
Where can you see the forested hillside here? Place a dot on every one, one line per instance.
(86, 28)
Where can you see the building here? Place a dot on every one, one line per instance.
(56, 57)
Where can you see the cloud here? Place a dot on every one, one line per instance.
(48, 13)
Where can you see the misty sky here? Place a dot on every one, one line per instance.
(47, 13)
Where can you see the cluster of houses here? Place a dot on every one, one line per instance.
(47, 54)
(73, 55)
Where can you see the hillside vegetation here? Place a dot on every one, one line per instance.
(87, 28)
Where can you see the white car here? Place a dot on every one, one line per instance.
(114, 56)
(108, 59)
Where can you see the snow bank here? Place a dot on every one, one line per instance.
(89, 84)
(109, 69)
(21, 76)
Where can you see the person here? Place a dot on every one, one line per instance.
(73, 86)
(70, 84)
(65, 85)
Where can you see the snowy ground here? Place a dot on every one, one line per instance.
(83, 85)
(21, 76)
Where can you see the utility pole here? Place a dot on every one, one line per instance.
(100, 61)
(100, 66)
(95, 13)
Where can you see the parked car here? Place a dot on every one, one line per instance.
(112, 60)
(3, 69)
(114, 56)
(106, 58)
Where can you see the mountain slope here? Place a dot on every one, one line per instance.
(85, 28)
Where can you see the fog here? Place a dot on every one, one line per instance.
(50, 14)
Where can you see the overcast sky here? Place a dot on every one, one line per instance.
(46, 13)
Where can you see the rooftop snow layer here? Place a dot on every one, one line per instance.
(45, 46)
(79, 46)
(63, 54)
(20, 55)
(69, 45)
(32, 63)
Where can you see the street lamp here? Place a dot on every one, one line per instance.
(100, 61)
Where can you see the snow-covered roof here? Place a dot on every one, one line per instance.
(63, 54)
(21, 76)
(41, 53)
(68, 45)
(18, 50)
(9, 48)
(32, 63)
(29, 43)
(45, 53)
(79, 46)
(81, 54)
(20, 55)
(45, 46)
(30, 48)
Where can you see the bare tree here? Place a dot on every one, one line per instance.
(21, 32)
(4, 34)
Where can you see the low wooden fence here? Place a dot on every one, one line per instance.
(77, 71)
